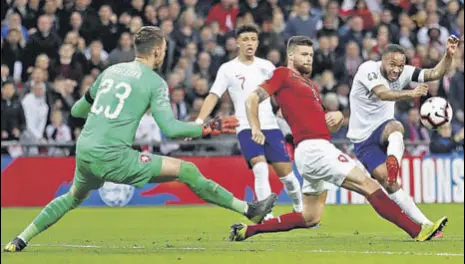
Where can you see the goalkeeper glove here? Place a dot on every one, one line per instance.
(220, 125)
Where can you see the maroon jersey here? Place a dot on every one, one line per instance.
(300, 104)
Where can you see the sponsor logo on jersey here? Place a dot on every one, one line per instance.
(372, 76)
(145, 158)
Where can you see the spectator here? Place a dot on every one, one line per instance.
(355, 33)
(135, 25)
(43, 41)
(329, 26)
(58, 132)
(186, 32)
(5, 74)
(37, 76)
(225, 14)
(324, 59)
(174, 9)
(36, 115)
(346, 67)
(414, 131)
(13, 121)
(178, 104)
(107, 29)
(388, 20)
(12, 51)
(230, 49)
(65, 66)
(362, 11)
(268, 39)
(31, 15)
(203, 67)
(432, 23)
(14, 22)
(96, 58)
(258, 9)
(331, 101)
(443, 142)
(89, 17)
(124, 52)
(171, 47)
(275, 57)
(303, 24)
(150, 16)
(137, 8)
(200, 91)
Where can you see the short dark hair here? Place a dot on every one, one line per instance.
(246, 29)
(394, 48)
(147, 38)
(299, 41)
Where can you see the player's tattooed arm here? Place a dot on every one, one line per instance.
(445, 64)
(386, 94)
(251, 106)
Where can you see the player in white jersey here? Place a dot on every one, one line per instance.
(240, 77)
(377, 136)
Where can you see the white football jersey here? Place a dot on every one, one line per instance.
(367, 111)
(241, 80)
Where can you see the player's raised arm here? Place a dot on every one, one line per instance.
(219, 87)
(386, 94)
(163, 115)
(444, 65)
(173, 128)
(82, 107)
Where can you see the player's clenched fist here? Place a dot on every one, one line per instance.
(258, 137)
(421, 90)
(220, 125)
(452, 44)
(334, 120)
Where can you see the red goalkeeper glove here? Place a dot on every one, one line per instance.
(220, 125)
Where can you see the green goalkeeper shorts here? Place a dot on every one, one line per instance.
(127, 167)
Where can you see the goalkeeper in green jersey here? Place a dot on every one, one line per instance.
(113, 106)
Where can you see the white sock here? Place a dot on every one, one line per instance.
(292, 187)
(262, 184)
(409, 207)
(396, 146)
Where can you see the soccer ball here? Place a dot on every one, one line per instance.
(435, 113)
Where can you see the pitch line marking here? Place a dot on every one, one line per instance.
(324, 251)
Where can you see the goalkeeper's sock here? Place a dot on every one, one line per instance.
(208, 190)
(281, 223)
(292, 187)
(50, 215)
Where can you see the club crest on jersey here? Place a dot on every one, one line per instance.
(268, 74)
(372, 76)
(395, 85)
(144, 158)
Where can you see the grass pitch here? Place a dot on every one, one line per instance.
(194, 235)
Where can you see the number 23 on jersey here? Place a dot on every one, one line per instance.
(121, 91)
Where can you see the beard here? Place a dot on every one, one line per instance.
(303, 70)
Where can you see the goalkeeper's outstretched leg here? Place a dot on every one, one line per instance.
(137, 169)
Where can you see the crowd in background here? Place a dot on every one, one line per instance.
(53, 50)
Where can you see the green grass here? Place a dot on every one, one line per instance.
(194, 235)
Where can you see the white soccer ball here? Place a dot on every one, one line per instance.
(435, 113)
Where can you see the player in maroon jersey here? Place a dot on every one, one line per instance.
(317, 160)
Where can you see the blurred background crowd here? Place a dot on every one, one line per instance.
(52, 51)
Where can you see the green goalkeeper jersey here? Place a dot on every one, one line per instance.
(121, 95)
